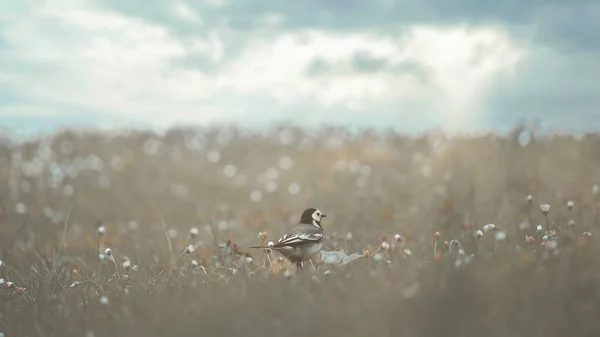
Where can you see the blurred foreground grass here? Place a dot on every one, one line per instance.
(146, 196)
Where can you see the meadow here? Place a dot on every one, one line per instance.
(146, 233)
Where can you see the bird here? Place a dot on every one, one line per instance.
(302, 241)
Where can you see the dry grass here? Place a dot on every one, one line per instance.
(148, 190)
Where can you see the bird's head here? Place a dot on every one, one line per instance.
(312, 216)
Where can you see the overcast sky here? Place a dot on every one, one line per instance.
(408, 64)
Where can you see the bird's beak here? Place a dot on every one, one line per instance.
(323, 215)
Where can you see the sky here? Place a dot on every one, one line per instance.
(410, 65)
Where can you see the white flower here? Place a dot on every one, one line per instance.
(479, 233)
(407, 252)
(398, 238)
(385, 245)
(189, 249)
(101, 257)
(530, 198)
(101, 230)
(539, 228)
(588, 234)
(570, 204)
(194, 232)
(108, 252)
(248, 260)
(195, 263)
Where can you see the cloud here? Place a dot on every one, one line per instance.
(406, 64)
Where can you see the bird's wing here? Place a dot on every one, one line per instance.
(300, 236)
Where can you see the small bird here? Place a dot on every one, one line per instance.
(304, 240)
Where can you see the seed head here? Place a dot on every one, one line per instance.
(101, 230)
(570, 204)
(385, 245)
(398, 238)
(189, 249)
(489, 227)
(455, 244)
(479, 234)
(539, 228)
(349, 236)
(407, 252)
(195, 263)
(500, 236)
(530, 198)
(108, 252)
(524, 225)
(437, 235)
(545, 209)
(194, 232)
(588, 234)
(126, 264)
(262, 235)
(270, 244)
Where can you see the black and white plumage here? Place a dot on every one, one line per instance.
(304, 240)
